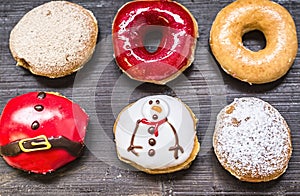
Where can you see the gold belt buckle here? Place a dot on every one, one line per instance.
(36, 145)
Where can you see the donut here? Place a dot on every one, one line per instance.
(242, 16)
(252, 140)
(54, 39)
(41, 131)
(157, 134)
(174, 53)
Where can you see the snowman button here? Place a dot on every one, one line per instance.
(151, 152)
(152, 142)
(151, 130)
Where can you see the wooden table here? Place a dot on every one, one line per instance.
(103, 91)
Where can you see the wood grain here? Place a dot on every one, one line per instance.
(103, 90)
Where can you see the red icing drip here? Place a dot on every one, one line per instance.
(156, 124)
(132, 23)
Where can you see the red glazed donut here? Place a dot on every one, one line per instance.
(175, 51)
(40, 132)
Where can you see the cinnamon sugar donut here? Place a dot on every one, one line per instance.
(252, 140)
(54, 39)
(242, 16)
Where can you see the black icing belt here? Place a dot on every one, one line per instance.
(41, 143)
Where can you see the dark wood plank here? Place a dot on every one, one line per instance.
(103, 91)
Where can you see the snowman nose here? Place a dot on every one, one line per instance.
(157, 109)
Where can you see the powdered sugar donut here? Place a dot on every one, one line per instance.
(252, 140)
(157, 135)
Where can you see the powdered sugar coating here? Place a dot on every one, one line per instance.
(252, 140)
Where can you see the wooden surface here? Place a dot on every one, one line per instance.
(103, 90)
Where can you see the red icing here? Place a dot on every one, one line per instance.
(175, 50)
(59, 117)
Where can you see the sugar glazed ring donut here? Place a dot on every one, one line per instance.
(157, 134)
(40, 132)
(252, 140)
(242, 16)
(175, 51)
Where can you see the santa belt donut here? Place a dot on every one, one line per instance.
(41, 143)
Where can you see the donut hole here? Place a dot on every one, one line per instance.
(152, 39)
(254, 40)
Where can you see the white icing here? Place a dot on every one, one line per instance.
(252, 138)
(176, 17)
(149, 110)
(177, 115)
(29, 114)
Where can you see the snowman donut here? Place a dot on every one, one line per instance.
(41, 131)
(157, 134)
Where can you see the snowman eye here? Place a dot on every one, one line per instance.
(157, 101)
(150, 102)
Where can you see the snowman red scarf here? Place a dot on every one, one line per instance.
(155, 124)
(174, 148)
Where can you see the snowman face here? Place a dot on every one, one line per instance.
(155, 109)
